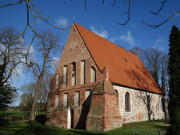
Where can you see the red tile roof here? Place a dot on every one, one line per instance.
(125, 68)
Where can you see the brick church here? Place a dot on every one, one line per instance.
(100, 86)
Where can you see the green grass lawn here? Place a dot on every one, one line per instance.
(23, 127)
(35, 128)
(17, 114)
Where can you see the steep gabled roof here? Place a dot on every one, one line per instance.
(125, 68)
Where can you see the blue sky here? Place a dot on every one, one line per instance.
(100, 18)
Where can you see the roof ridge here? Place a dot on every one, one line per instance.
(113, 44)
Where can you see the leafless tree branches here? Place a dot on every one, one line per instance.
(12, 53)
(35, 13)
(11, 4)
(48, 43)
(144, 22)
(156, 26)
(128, 14)
(155, 13)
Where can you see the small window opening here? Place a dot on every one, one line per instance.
(138, 78)
(73, 66)
(125, 59)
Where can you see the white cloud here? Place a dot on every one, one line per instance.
(103, 33)
(159, 40)
(127, 38)
(112, 40)
(61, 21)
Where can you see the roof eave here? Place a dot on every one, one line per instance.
(118, 84)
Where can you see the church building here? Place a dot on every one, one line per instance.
(100, 86)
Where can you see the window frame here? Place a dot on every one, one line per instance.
(88, 97)
(93, 74)
(83, 72)
(65, 75)
(57, 80)
(57, 101)
(127, 102)
(77, 99)
(73, 82)
(65, 100)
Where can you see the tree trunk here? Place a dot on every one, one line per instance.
(32, 118)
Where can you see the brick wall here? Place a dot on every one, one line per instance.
(74, 51)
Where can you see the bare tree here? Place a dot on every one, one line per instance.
(11, 53)
(152, 58)
(156, 62)
(29, 89)
(137, 51)
(26, 98)
(11, 56)
(47, 46)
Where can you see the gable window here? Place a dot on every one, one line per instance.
(88, 97)
(93, 74)
(65, 99)
(77, 98)
(83, 72)
(57, 81)
(127, 102)
(73, 74)
(65, 76)
(57, 101)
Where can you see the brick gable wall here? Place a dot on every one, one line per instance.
(74, 51)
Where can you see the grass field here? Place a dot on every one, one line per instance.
(24, 127)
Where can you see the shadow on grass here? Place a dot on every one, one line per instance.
(41, 119)
(84, 132)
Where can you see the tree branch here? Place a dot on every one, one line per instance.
(10, 72)
(85, 5)
(156, 26)
(114, 3)
(155, 13)
(22, 34)
(45, 19)
(12, 4)
(128, 12)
